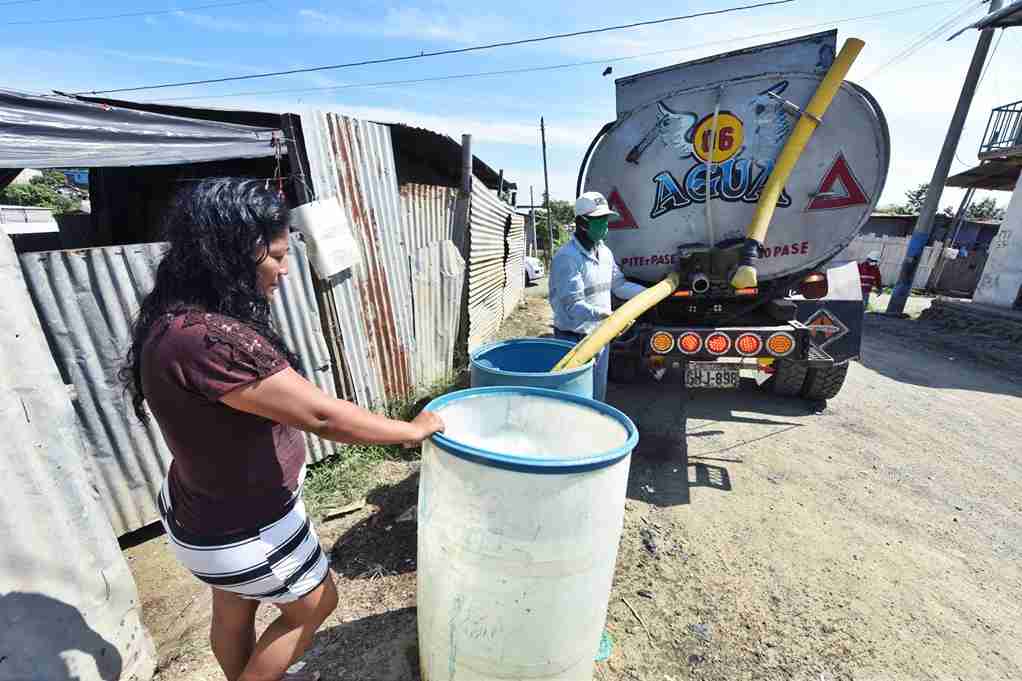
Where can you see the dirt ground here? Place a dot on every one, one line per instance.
(878, 536)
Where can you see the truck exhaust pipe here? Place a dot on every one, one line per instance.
(699, 282)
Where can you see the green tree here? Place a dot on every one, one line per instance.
(987, 209)
(41, 191)
(914, 200)
(561, 213)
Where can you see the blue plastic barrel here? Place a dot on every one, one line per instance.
(527, 362)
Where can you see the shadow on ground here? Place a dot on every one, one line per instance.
(380, 647)
(669, 419)
(384, 543)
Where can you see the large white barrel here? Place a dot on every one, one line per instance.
(521, 505)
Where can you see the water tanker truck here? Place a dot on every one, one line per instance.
(686, 164)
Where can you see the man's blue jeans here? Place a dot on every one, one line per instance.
(599, 371)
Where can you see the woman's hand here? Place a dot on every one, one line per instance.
(426, 423)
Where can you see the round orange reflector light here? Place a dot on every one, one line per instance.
(781, 344)
(690, 343)
(662, 342)
(718, 343)
(749, 344)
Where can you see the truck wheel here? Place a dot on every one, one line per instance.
(789, 378)
(824, 384)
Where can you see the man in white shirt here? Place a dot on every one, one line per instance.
(582, 277)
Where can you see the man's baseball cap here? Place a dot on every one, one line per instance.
(592, 205)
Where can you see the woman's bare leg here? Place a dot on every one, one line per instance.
(286, 640)
(232, 633)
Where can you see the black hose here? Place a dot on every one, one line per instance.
(585, 159)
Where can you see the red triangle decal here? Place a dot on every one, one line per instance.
(830, 197)
(617, 204)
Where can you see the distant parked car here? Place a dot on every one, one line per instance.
(533, 270)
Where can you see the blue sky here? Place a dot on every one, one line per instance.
(502, 113)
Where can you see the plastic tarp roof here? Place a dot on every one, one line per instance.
(42, 131)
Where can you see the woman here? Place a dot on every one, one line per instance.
(222, 386)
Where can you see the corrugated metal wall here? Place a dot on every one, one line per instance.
(489, 223)
(515, 267)
(86, 300)
(429, 214)
(438, 275)
(354, 161)
(67, 597)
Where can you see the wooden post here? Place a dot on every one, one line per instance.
(462, 238)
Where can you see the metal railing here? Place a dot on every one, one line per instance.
(1003, 136)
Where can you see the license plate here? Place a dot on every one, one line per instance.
(712, 375)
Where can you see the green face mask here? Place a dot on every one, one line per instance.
(597, 228)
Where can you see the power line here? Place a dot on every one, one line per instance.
(928, 36)
(422, 55)
(554, 67)
(126, 15)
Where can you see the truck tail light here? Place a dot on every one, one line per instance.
(690, 343)
(718, 343)
(749, 344)
(662, 342)
(781, 344)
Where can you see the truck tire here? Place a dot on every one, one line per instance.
(824, 384)
(789, 378)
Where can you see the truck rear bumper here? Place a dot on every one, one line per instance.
(747, 345)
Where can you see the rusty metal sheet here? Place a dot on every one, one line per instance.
(353, 161)
(86, 301)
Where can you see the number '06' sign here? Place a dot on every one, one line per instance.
(727, 142)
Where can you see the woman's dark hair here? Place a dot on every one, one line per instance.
(215, 227)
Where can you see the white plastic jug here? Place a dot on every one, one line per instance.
(521, 504)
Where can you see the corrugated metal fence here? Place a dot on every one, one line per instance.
(393, 319)
(515, 266)
(67, 598)
(489, 224)
(86, 300)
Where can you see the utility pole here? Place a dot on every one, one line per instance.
(546, 182)
(924, 224)
(532, 219)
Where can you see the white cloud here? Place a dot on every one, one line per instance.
(407, 22)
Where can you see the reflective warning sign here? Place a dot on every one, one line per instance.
(825, 328)
(617, 204)
(838, 189)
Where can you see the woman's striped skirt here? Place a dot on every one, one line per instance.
(278, 563)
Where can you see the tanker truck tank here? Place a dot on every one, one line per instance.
(684, 165)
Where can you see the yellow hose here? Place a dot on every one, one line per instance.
(745, 276)
(616, 324)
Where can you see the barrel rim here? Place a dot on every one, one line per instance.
(528, 465)
(503, 372)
